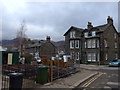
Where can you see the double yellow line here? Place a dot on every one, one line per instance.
(91, 80)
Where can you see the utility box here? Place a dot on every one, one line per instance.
(42, 74)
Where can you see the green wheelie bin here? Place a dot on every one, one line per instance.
(42, 74)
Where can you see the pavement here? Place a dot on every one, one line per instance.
(97, 67)
(72, 81)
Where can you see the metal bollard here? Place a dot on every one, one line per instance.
(16, 80)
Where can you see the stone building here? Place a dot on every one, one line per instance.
(42, 48)
(96, 45)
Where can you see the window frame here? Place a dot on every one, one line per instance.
(106, 56)
(86, 34)
(93, 33)
(72, 34)
(115, 44)
(105, 43)
(72, 44)
(77, 42)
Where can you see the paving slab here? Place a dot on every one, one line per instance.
(71, 81)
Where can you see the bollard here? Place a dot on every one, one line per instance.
(16, 80)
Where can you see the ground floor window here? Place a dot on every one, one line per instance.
(106, 56)
(116, 56)
(91, 57)
(72, 55)
(77, 56)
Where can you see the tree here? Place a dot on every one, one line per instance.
(22, 37)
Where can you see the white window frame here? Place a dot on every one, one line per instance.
(93, 57)
(85, 44)
(105, 43)
(93, 44)
(98, 44)
(115, 35)
(72, 34)
(71, 44)
(106, 56)
(72, 55)
(89, 56)
(93, 33)
(86, 34)
(77, 42)
(89, 43)
(77, 56)
(116, 56)
(115, 44)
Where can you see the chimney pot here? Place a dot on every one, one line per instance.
(89, 25)
(109, 20)
(48, 38)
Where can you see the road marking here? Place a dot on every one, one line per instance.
(91, 80)
(113, 83)
(107, 87)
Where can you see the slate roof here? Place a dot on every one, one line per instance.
(75, 28)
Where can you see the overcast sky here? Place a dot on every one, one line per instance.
(54, 18)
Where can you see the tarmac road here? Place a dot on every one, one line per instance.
(109, 78)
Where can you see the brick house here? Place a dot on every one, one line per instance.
(96, 45)
(42, 47)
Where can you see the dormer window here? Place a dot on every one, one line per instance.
(86, 34)
(72, 34)
(93, 33)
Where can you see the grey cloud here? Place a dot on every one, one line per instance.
(55, 18)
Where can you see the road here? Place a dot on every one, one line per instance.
(107, 79)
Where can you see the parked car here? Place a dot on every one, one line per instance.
(114, 62)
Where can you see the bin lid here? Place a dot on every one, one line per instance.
(15, 74)
(45, 67)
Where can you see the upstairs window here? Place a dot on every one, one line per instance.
(72, 44)
(89, 43)
(97, 43)
(86, 34)
(115, 44)
(93, 33)
(72, 34)
(115, 35)
(93, 43)
(77, 44)
(105, 43)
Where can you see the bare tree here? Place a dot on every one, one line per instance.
(22, 37)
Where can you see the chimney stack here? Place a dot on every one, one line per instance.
(89, 25)
(48, 38)
(109, 20)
